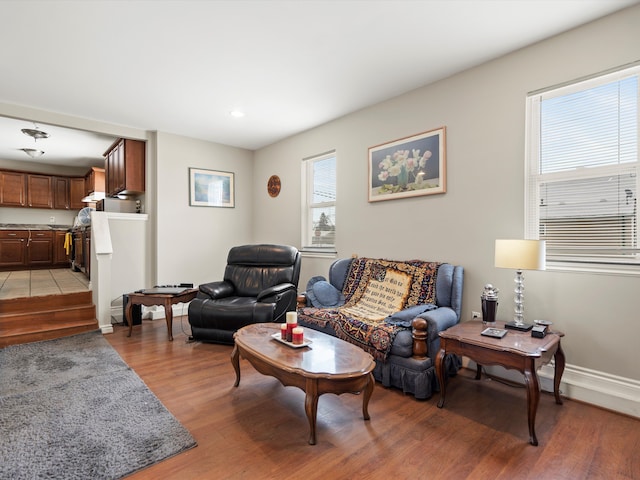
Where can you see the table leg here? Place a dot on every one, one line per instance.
(478, 371)
(311, 407)
(533, 397)
(368, 390)
(168, 314)
(235, 361)
(128, 317)
(558, 371)
(440, 374)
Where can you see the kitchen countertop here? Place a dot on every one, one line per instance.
(33, 226)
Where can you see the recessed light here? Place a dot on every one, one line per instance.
(236, 113)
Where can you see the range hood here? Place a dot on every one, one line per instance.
(94, 197)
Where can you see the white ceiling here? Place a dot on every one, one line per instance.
(182, 66)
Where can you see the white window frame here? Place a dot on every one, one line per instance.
(617, 260)
(308, 205)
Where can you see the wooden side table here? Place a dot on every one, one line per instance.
(164, 299)
(516, 350)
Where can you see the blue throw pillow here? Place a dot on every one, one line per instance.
(322, 294)
(403, 318)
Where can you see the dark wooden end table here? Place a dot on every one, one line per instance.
(164, 299)
(516, 350)
(327, 365)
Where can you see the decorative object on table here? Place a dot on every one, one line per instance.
(494, 332)
(408, 167)
(292, 322)
(520, 255)
(539, 331)
(211, 188)
(489, 299)
(273, 186)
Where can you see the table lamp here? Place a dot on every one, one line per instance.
(520, 255)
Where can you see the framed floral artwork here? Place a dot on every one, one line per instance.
(408, 167)
(211, 188)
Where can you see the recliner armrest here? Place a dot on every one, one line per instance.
(269, 295)
(219, 289)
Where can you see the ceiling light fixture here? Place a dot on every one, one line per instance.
(35, 133)
(33, 152)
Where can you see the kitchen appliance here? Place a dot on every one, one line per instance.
(116, 205)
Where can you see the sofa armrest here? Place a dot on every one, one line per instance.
(436, 321)
(302, 300)
(215, 290)
(271, 294)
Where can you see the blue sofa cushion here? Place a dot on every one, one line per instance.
(322, 294)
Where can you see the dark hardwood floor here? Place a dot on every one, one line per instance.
(259, 430)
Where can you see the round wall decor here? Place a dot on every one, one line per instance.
(273, 185)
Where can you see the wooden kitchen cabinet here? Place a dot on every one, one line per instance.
(13, 189)
(40, 248)
(94, 181)
(125, 167)
(39, 191)
(60, 193)
(13, 248)
(76, 193)
(60, 255)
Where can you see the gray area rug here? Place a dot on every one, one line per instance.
(72, 409)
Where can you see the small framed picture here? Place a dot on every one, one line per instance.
(211, 188)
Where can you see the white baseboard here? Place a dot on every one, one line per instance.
(151, 313)
(608, 391)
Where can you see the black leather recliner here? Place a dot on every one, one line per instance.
(260, 285)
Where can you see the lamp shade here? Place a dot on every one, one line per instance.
(520, 254)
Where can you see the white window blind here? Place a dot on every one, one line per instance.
(581, 173)
(319, 203)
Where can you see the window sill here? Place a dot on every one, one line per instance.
(317, 253)
(594, 268)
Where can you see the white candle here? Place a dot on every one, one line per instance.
(292, 317)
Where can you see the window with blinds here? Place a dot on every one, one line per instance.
(581, 181)
(319, 204)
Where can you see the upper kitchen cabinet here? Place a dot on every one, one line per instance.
(39, 191)
(61, 193)
(76, 192)
(13, 189)
(94, 181)
(125, 167)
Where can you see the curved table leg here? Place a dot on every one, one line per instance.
(127, 314)
(311, 407)
(235, 361)
(558, 371)
(440, 374)
(168, 314)
(368, 390)
(533, 397)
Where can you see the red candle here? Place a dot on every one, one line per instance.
(292, 322)
(283, 331)
(297, 335)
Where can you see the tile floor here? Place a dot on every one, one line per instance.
(35, 283)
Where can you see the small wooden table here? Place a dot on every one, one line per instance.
(327, 365)
(516, 350)
(167, 300)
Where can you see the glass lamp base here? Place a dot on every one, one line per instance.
(523, 327)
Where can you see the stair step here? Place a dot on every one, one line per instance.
(30, 304)
(34, 319)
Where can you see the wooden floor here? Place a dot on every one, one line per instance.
(32, 283)
(259, 430)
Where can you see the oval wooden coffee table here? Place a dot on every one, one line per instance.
(326, 365)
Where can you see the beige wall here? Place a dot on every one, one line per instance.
(483, 110)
